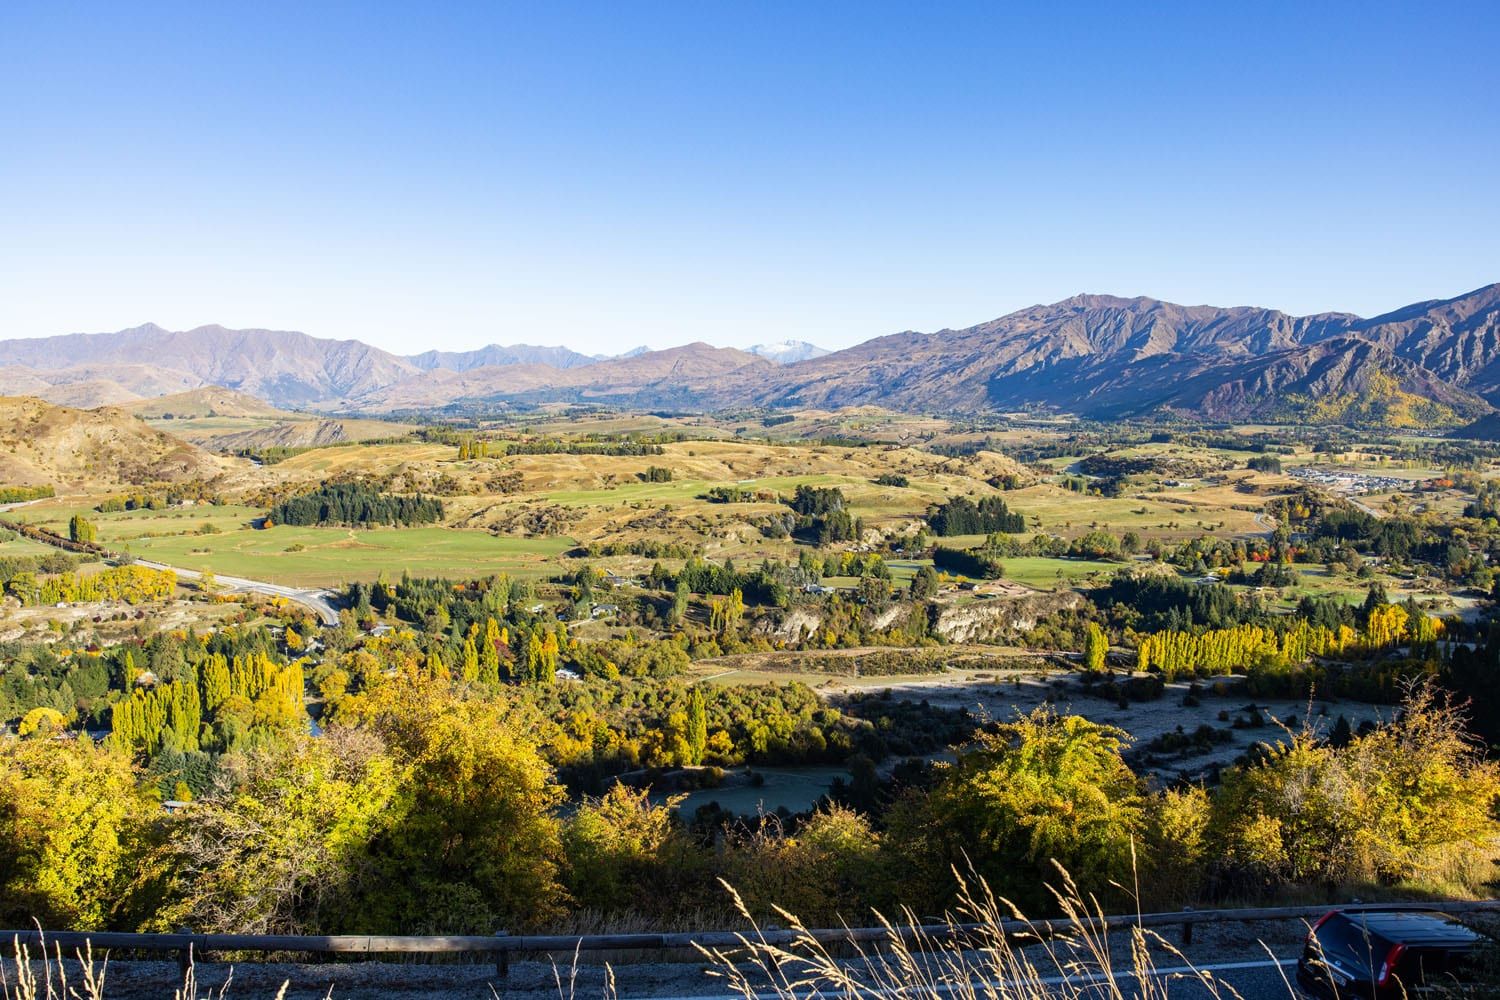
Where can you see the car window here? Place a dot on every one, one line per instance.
(1346, 945)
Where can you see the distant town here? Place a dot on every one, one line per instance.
(1346, 481)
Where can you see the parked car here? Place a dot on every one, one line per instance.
(1374, 954)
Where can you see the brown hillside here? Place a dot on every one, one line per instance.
(653, 375)
(209, 401)
(41, 444)
(289, 434)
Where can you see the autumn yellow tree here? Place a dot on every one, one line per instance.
(469, 662)
(41, 722)
(1397, 803)
(1041, 789)
(1095, 647)
(281, 852)
(473, 841)
(74, 827)
(620, 842)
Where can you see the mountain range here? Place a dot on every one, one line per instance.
(1100, 356)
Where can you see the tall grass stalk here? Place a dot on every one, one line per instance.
(970, 956)
(53, 983)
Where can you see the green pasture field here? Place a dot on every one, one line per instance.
(1043, 573)
(120, 527)
(330, 556)
(1070, 513)
(865, 498)
(19, 546)
(1037, 572)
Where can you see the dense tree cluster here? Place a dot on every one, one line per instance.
(22, 494)
(844, 564)
(1154, 601)
(43, 562)
(1236, 649)
(130, 584)
(769, 583)
(822, 516)
(1177, 653)
(234, 702)
(599, 731)
(732, 494)
(982, 563)
(651, 548)
(469, 448)
(433, 800)
(587, 445)
(1312, 812)
(75, 829)
(1264, 463)
(831, 528)
(355, 504)
(810, 501)
(962, 516)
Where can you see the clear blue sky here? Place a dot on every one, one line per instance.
(602, 175)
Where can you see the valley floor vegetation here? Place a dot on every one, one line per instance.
(513, 750)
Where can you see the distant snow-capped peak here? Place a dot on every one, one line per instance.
(788, 351)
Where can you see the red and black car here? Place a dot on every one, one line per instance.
(1373, 954)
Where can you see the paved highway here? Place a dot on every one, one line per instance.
(1262, 979)
(316, 601)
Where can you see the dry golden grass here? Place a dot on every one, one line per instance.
(976, 954)
(971, 956)
(90, 449)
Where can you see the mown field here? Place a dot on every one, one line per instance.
(219, 538)
(324, 557)
(1040, 572)
(19, 546)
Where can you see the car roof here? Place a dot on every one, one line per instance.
(1411, 926)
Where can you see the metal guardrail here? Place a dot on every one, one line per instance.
(501, 946)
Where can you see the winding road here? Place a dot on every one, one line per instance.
(317, 601)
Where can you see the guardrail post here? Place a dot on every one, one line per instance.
(185, 956)
(1187, 927)
(502, 958)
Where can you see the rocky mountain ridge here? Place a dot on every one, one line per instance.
(1101, 356)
